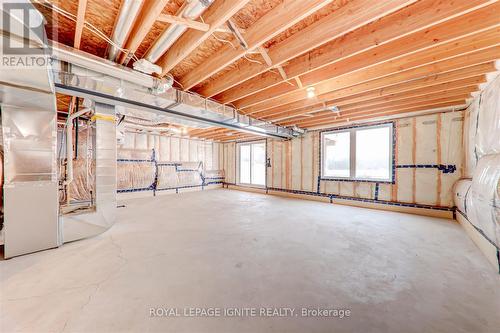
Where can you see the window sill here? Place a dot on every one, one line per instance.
(355, 180)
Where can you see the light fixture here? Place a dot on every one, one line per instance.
(334, 108)
(311, 92)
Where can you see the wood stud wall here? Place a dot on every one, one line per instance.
(429, 139)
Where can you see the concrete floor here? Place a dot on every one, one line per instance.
(226, 249)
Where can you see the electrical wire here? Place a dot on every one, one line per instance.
(47, 4)
(218, 38)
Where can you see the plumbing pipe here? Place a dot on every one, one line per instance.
(126, 19)
(69, 144)
(192, 11)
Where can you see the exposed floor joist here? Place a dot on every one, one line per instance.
(216, 15)
(277, 20)
(408, 30)
(347, 18)
(150, 12)
(405, 69)
(80, 23)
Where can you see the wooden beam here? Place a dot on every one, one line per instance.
(438, 97)
(375, 116)
(184, 21)
(347, 18)
(374, 97)
(150, 12)
(80, 23)
(363, 91)
(413, 28)
(274, 22)
(215, 16)
(263, 52)
(456, 55)
(354, 114)
(416, 95)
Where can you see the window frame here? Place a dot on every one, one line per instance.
(352, 153)
(238, 163)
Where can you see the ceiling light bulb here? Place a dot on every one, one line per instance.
(311, 92)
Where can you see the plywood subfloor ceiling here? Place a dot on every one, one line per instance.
(362, 59)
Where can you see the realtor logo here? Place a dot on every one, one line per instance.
(24, 27)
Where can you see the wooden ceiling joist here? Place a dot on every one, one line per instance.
(347, 18)
(372, 89)
(215, 16)
(184, 21)
(274, 22)
(80, 23)
(409, 102)
(150, 12)
(456, 55)
(416, 95)
(392, 36)
(370, 115)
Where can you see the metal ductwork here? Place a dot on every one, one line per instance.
(29, 130)
(192, 10)
(129, 11)
(102, 215)
(28, 109)
(145, 97)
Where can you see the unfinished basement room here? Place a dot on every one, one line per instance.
(193, 166)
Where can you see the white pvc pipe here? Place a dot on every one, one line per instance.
(69, 144)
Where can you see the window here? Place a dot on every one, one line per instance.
(252, 163)
(362, 153)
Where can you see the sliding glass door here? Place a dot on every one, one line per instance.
(252, 163)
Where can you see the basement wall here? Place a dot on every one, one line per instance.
(151, 164)
(421, 144)
(174, 149)
(477, 196)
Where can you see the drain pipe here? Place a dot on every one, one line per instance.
(69, 144)
(128, 15)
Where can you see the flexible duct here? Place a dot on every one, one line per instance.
(481, 201)
(192, 10)
(460, 192)
(128, 14)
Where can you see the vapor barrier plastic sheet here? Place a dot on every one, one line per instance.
(83, 180)
(167, 177)
(483, 200)
(135, 154)
(461, 190)
(470, 128)
(179, 175)
(488, 121)
(135, 175)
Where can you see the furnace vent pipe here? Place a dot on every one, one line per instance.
(128, 15)
(192, 11)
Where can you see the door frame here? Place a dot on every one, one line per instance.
(238, 163)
